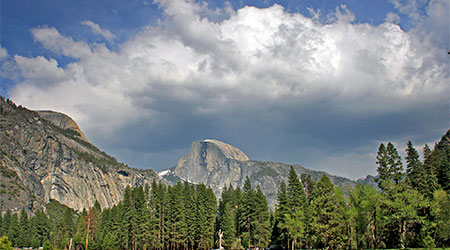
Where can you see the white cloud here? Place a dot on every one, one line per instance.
(411, 8)
(252, 63)
(3, 54)
(99, 31)
(39, 70)
(52, 40)
(392, 17)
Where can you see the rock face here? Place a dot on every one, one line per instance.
(218, 164)
(44, 155)
(211, 162)
(62, 121)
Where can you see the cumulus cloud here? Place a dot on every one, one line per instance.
(99, 31)
(392, 17)
(3, 54)
(280, 72)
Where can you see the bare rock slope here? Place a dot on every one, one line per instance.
(44, 155)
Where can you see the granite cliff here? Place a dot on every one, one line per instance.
(44, 155)
(218, 164)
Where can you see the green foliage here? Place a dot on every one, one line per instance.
(420, 176)
(280, 229)
(329, 210)
(5, 244)
(441, 211)
(439, 162)
(47, 245)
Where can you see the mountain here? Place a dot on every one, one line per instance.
(218, 164)
(44, 156)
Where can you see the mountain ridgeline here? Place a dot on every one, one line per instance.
(44, 156)
(220, 165)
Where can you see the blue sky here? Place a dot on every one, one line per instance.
(316, 83)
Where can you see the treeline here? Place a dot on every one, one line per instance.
(410, 208)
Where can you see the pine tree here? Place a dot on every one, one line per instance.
(14, 228)
(420, 176)
(110, 242)
(206, 210)
(295, 192)
(189, 203)
(226, 218)
(329, 208)
(426, 152)
(309, 186)
(228, 226)
(280, 230)
(383, 169)
(440, 161)
(412, 162)
(176, 216)
(261, 223)
(79, 239)
(5, 222)
(395, 164)
(246, 212)
(47, 245)
(296, 202)
(310, 193)
(23, 237)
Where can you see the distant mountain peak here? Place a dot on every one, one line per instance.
(228, 150)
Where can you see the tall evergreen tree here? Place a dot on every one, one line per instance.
(228, 226)
(206, 212)
(426, 152)
(261, 221)
(420, 176)
(395, 164)
(440, 161)
(5, 222)
(176, 223)
(329, 208)
(296, 202)
(412, 162)
(226, 220)
(246, 212)
(24, 239)
(280, 229)
(189, 203)
(383, 166)
(310, 193)
(295, 192)
(14, 228)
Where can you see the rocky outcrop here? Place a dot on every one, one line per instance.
(62, 121)
(44, 155)
(218, 164)
(211, 162)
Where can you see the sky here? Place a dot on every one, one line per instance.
(315, 83)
